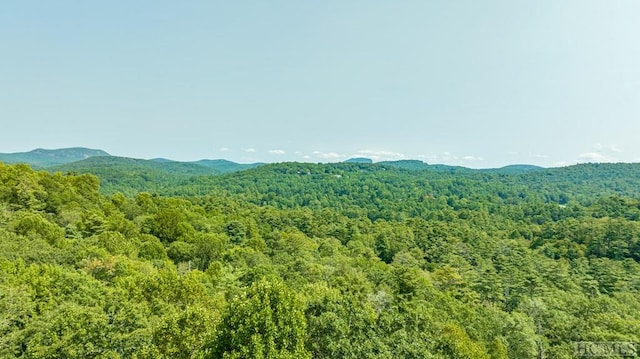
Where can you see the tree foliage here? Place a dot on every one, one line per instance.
(302, 260)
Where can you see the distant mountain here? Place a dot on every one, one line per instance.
(406, 164)
(40, 158)
(167, 177)
(359, 160)
(163, 160)
(419, 165)
(113, 169)
(514, 169)
(224, 166)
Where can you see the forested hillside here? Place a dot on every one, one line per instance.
(297, 260)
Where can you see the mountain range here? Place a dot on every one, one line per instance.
(82, 160)
(41, 158)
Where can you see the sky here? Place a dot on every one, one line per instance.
(473, 83)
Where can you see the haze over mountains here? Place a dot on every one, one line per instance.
(80, 159)
(46, 158)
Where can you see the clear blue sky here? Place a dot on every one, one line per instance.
(475, 83)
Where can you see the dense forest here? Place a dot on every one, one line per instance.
(299, 260)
